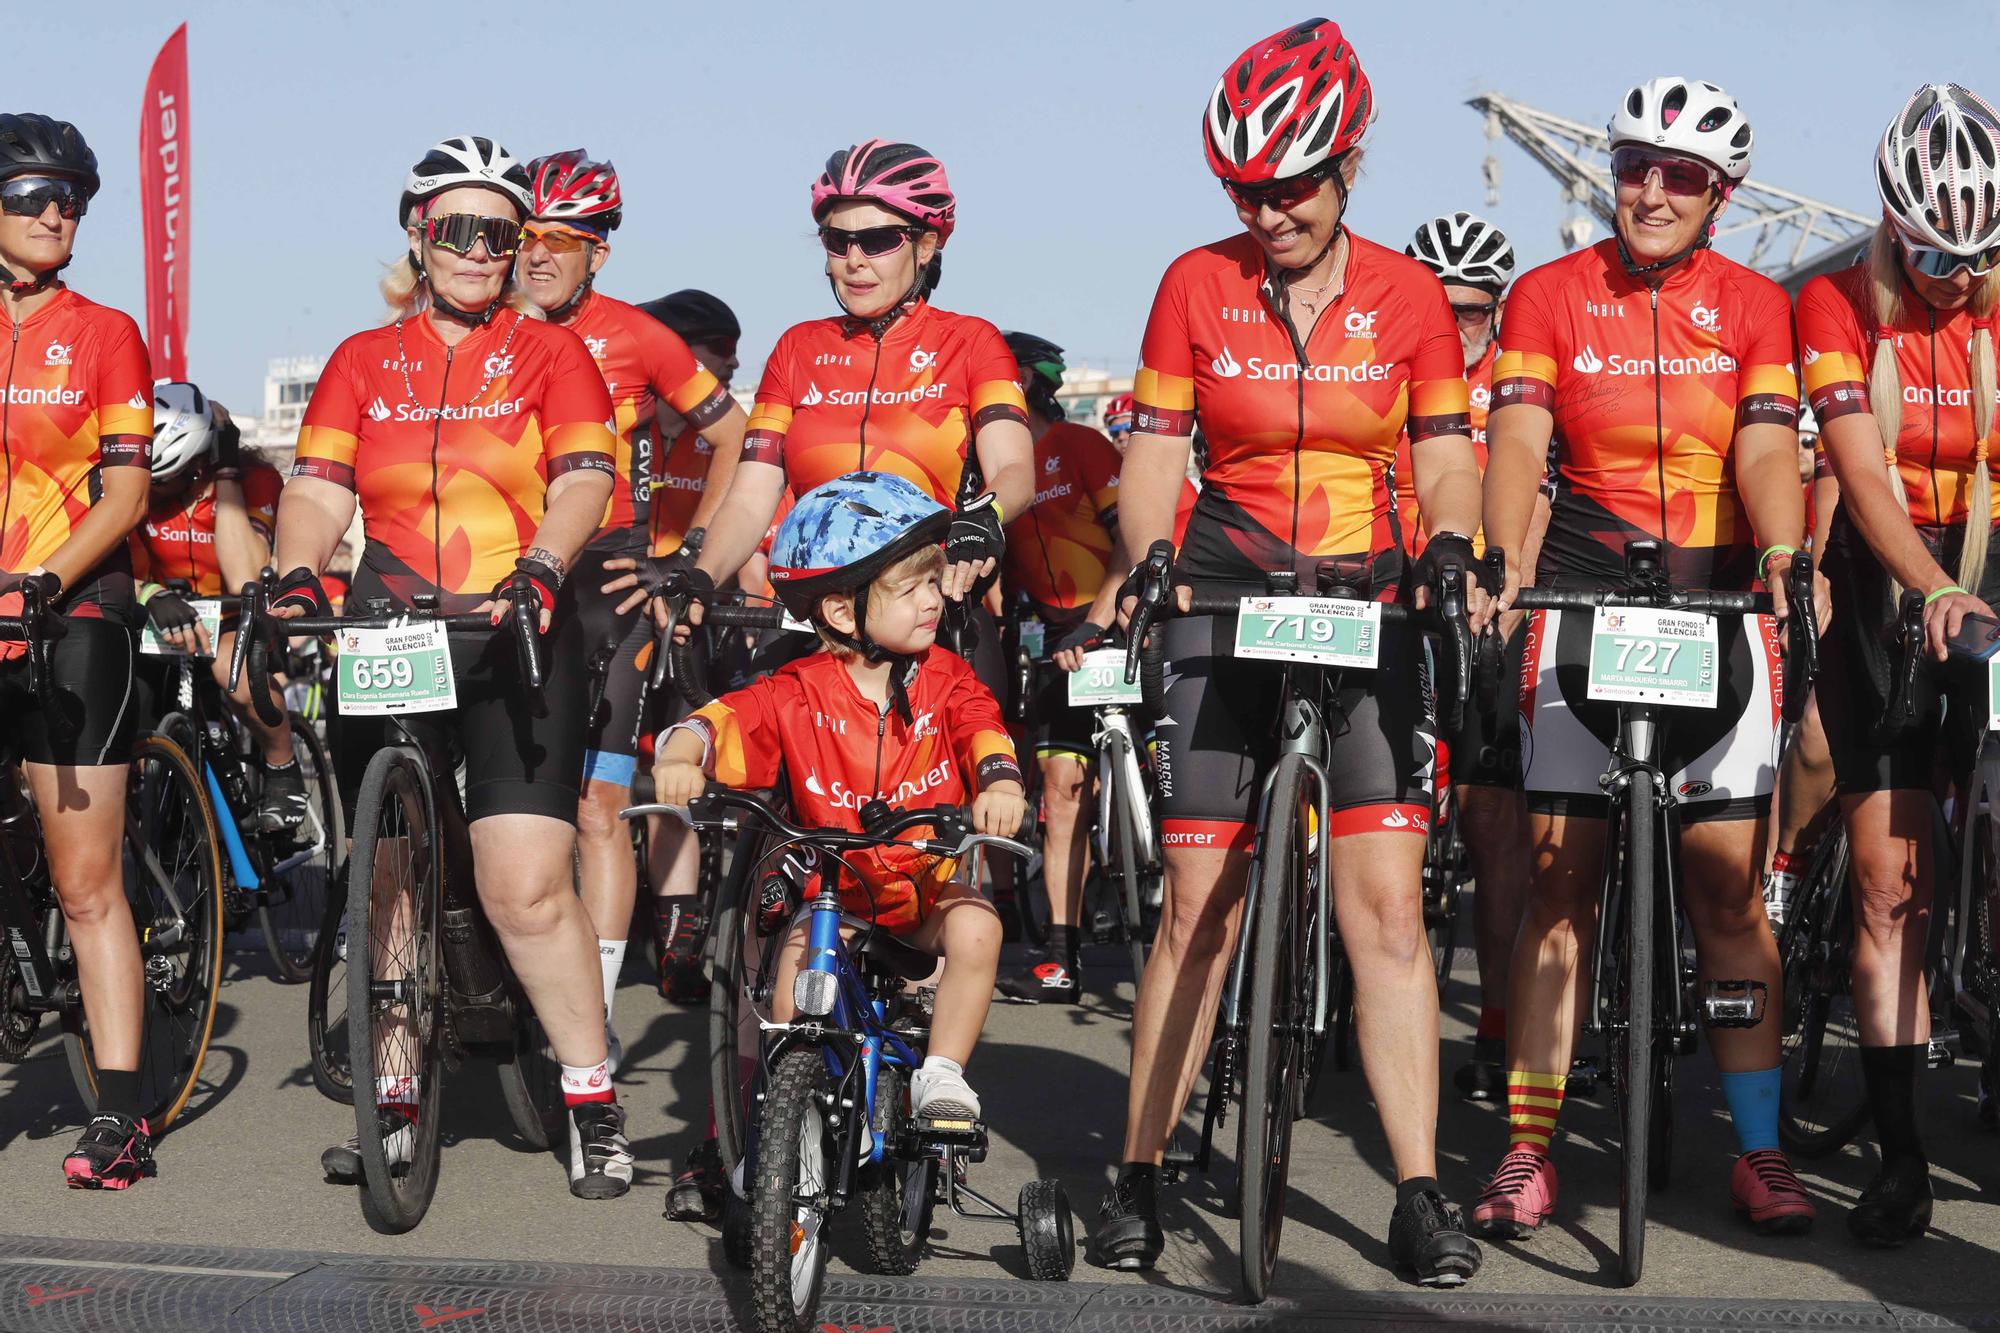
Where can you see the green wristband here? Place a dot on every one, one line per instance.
(1764, 560)
(1946, 591)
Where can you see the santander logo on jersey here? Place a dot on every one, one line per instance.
(843, 797)
(1712, 362)
(1225, 365)
(1257, 368)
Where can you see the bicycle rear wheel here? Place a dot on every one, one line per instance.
(173, 882)
(1114, 767)
(293, 904)
(1633, 1061)
(395, 978)
(728, 998)
(1822, 1102)
(1276, 988)
(531, 1082)
(326, 1002)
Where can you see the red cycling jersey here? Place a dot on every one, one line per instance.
(1479, 388)
(452, 449)
(640, 358)
(79, 398)
(836, 399)
(1300, 442)
(1648, 391)
(809, 721)
(1058, 548)
(177, 538)
(680, 475)
(1936, 450)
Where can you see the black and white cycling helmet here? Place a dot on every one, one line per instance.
(1938, 169)
(1686, 116)
(1464, 248)
(464, 159)
(183, 428)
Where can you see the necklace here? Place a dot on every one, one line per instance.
(494, 365)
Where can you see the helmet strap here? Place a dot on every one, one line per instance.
(34, 284)
(562, 313)
(1704, 238)
(470, 318)
(872, 652)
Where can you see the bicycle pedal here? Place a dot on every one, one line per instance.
(1103, 928)
(1734, 1004)
(1175, 1165)
(965, 1138)
(1584, 1077)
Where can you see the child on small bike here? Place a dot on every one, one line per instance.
(879, 714)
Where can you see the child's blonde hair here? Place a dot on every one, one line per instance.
(918, 564)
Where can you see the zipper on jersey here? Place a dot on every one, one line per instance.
(6, 428)
(881, 728)
(868, 405)
(1284, 316)
(437, 504)
(1659, 413)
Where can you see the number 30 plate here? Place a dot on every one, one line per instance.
(403, 669)
(1643, 655)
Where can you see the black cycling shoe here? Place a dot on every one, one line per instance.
(114, 1152)
(1127, 1235)
(1042, 981)
(1896, 1206)
(282, 807)
(681, 922)
(1427, 1237)
(1481, 1079)
(342, 1162)
(696, 1194)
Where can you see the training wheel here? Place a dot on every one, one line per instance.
(1048, 1237)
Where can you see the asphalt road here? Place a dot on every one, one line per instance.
(242, 1169)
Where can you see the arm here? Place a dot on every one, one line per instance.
(576, 503)
(312, 518)
(240, 550)
(1767, 477)
(1149, 490)
(1853, 444)
(1007, 460)
(1447, 479)
(1825, 499)
(1518, 450)
(742, 517)
(106, 525)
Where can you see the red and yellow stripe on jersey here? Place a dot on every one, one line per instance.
(1299, 455)
(1647, 428)
(835, 400)
(78, 398)
(1936, 449)
(176, 540)
(642, 361)
(1479, 392)
(453, 467)
(837, 751)
(1059, 547)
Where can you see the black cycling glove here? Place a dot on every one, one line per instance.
(543, 581)
(1447, 548)
(169, 612)
(229, 451)
(655, 572)
(301, 588)
(974, 536)
(1082, 637)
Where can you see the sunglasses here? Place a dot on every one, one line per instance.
(1934, 263)
(874, 241)
(1279, 196)
(1472, 312)
(722, 347)
(1678, 175)
(560, 240)
(458, 232)
(30, 197)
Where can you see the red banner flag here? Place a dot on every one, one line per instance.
(163, 190)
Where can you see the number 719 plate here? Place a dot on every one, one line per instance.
(1645, 655)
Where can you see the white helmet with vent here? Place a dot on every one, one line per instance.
(1686, 116)
(183, 428)
(1938, 170)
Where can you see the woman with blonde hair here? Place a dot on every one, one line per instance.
(1898, 362)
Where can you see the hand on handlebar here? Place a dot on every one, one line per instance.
(998, 811)
(1775, 579)
(677, 783)
(1069, 650)
(298, 594)
(541, 585)
(1943, 617)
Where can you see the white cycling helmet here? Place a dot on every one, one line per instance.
(1686, 116)
(183, 428)
(464, 159)
(1464, 248)
(1938, 169)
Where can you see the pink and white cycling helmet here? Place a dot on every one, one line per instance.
(1938, 170)
(899, 176)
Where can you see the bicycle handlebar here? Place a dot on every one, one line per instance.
(37, 629)
(680, 656)
(948, 819)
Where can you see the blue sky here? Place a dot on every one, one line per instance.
(1071, 133)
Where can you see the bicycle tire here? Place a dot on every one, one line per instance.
(173, 882)
(898, 1197)
(1272, 1067)
(531, 1082)
(326, 1003)
(1635, 1067)
(1444, 862)
(396, 792)
(1822, 1103)
(292, 906)
(726, 997)
(1124, 840)
(795, 1152)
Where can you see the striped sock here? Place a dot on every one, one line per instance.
(1532, 1103)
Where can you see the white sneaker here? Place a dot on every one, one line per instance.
(938, 1090)
(600, 1159)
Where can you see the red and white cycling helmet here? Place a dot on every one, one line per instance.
(899, 176)
(569, 187)
(1119, 405)
(1288, 104)
(1689, 117)
(1938, 170)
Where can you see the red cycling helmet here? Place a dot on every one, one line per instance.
(898, 176)
(1291, 102)
(1118, 406)
(569, 187)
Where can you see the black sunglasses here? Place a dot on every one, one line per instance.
(30, 197)
(1466, 311)
(458, 232)
(1285, 195)
(874, 241)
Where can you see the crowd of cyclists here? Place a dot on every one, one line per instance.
(908, 486)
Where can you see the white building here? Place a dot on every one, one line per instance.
(288, 387)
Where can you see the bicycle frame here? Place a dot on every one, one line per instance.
(1116, 719)
(34, 929)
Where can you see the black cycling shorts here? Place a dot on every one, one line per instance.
(1486, 752)
(621, 648)
(1217, 741)
(516, 761)
(94, 706)
(1055, 727)
(1948, 706)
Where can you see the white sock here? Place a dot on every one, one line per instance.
(398, 1089)
(611, 956)
(587, 1083)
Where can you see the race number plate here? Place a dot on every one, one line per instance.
(1643, 655)
(402, 669)
(1993, 692)
(1101, 680)
(1034, 637)
(1325, 631)
(206, 609)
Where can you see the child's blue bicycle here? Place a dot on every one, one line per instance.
(831, 1122)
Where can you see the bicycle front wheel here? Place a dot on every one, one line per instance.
(1634, 1063)
(395, 989)
(293, 904)
(1113, 769)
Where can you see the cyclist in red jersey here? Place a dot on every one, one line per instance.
(1302, 351)
(892, 383)
(575, 204)
(208, 531)
(1899, 362)
(76, 418)
(475, 441)
(1664, 369)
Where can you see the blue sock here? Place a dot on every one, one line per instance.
(1753, 1105)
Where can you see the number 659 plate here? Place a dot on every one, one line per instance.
(401, 669)
(1645, 655)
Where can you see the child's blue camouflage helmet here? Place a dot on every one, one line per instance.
(839, 536)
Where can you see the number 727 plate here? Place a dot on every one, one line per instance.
(1645, 655)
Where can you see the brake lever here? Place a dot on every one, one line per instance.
(1155, 588)
(1910, 640)
(679, 812)
(1802, 648)
(527, 637)
(250, 623)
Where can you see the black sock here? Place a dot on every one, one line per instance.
(1407, 1190)
(1064, 943)
(1142, 1179)
(118, 1092)
(1891, 1074)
